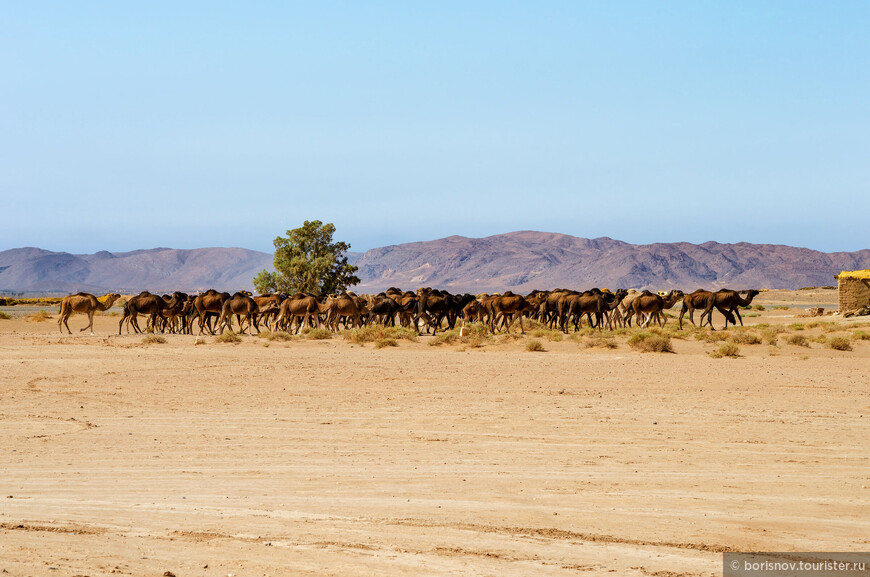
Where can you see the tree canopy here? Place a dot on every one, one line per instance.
(307, 260)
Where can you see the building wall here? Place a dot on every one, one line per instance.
(853, 293)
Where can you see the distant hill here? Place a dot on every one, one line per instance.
(523, 261)
(519, 261)
(35, 270)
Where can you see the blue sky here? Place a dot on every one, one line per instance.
(136, 125)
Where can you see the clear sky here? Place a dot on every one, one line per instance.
(129, 125)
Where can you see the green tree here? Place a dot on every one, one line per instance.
(307, 260)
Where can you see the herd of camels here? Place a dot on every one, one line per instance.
(426, 308)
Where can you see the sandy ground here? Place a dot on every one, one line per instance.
(328, 458)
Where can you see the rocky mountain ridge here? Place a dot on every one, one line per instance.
(517, 261)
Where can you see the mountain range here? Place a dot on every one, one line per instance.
(517, 261)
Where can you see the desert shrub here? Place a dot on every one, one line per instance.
(861, 336)
(154, 340)
(4, 316)
(276, 336)
(445, 338)
(375, 333)
(381, 343)
(228, 337)
(780, 308)
(759, 308)
(600, 341)
(745, 338)
(770, 336)
(840, 344)
(318, 334)
(822, 339)
(796, 326)
(475, 335)
(726, 349)
(709, 336)
(648, 342)
(38, 316)
(797, 340)
(535, 346)
(548, 334)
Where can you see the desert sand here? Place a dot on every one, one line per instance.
(331, 458)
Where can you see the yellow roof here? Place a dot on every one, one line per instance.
(855, 274)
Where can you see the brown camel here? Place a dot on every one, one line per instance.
(702, 300)
(654, 305)
(239, 304)
(212, 302)
(728, 302)
(302, 308)
(344, 305)
(83, 303)
(146, 303)
(507, 306)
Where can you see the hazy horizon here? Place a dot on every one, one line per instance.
(131, 126)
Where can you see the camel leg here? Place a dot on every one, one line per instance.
(90, 323)
(65, 319)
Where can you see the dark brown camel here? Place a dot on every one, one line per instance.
(146, 303)
(728, 302)
(700, 300)
(245, 307)
(212, 302)
(83, 303)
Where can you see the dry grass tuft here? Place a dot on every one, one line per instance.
(376, 333)
(154, 340)
(840, 344)
(4, 316)
(381, 343)
(38, 317)
(475, 335)
(726, 349)
(600, 341)
(535, 346)
(228, 337)
(797, 340)
(745, 338)
(647, 342)
(318, 334)
(861, 336)
(276, 336)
